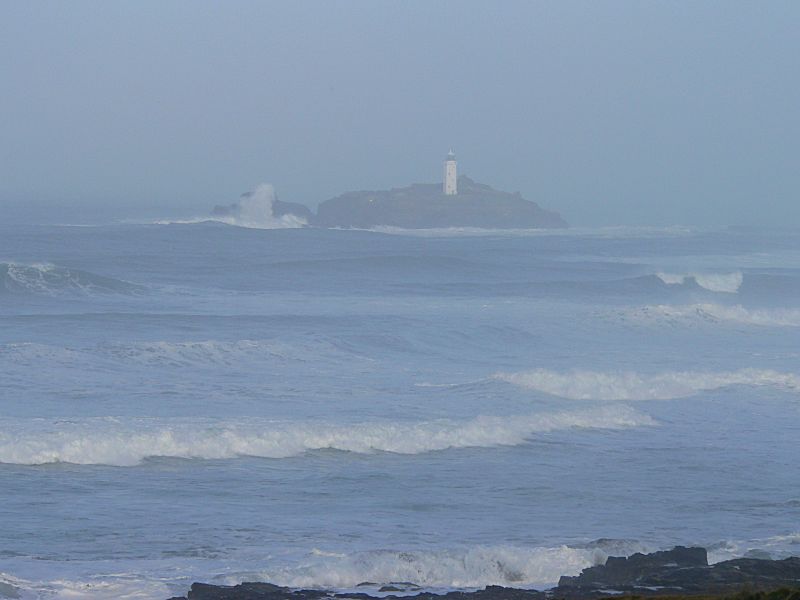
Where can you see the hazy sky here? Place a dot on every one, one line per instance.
(609, 112)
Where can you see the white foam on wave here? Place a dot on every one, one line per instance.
(468, 567)
(598, 385)
(776, 547)
(716, 313)
(109, 587)
(715, 282)
(253, 211)
(437, 569)
(126, 442)
(47, 279)
(472, 567)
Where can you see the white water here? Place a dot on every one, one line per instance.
(714, 282)
(472, 567)
(126, 442)
(253, 212)
(323, 408)
(50, 280)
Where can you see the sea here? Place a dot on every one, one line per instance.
(344, 409)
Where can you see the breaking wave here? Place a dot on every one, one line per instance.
(472, 567)
(408, 571)
(126, 442)
(594, 385)
(120, 586)
(714, 282)
(716, 313)
(255, 210)
(776, 546)
(50, 280)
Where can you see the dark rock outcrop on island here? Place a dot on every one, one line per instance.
(674, 573)
(424, 206)
(279, 209)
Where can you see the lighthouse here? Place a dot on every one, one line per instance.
(450, 177)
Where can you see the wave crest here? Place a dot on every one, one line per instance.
(50, 280)
(595, 385)
(255, 210)
(714, 282)
(473, 567)
(112, 441)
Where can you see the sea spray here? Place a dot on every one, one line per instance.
(469, 567)
(254, 210)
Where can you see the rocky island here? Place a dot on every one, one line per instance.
(678, 573)
(425, 206)
(456, 202)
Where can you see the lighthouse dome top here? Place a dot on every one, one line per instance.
(451, 155)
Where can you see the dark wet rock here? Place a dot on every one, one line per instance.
(424, 206)
(399, 586)
(681, 571)
(620, 572)
(762, 554)
(281, 208)
(268, 591)
(251, 591)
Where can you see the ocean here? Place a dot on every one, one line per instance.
(188, 402)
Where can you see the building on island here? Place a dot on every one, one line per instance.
(450, 176)
(455, 201)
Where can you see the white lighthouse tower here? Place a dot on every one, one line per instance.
(450, 176)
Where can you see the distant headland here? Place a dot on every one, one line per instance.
(456, 202)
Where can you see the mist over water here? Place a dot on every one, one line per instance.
(246, 399)
(196, 385)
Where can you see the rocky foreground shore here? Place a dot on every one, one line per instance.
(677, 572)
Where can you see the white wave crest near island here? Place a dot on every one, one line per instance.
(619, 386)
(254, 210)
(728, 283)
(126, 442)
